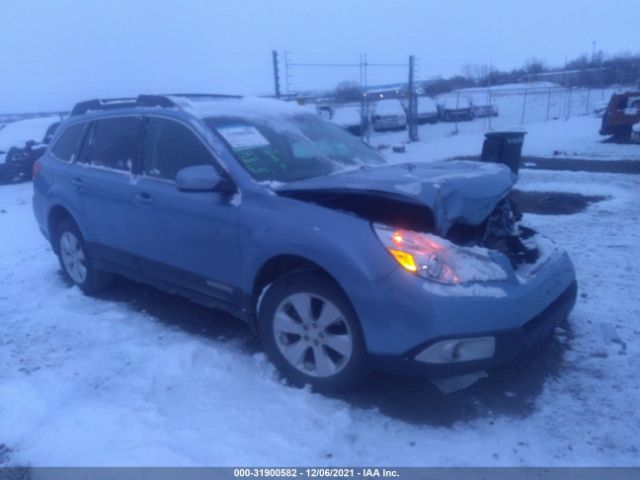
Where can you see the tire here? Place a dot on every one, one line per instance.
(299, 345)
(75, 262)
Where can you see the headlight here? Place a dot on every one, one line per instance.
(437, 259)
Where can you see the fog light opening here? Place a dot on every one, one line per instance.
(458, 350)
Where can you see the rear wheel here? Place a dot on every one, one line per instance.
(310, 332)
(75, 261)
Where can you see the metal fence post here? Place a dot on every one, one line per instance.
(569, 105)
(366, 113)
(413, 103)
(457, 107)
(588, 100)
(548, 103)
(365, 119)
(524, 105)
(490, 100)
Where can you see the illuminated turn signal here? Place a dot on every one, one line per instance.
(397, 238)
(405, 259)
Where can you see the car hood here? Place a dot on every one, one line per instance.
(455, 191)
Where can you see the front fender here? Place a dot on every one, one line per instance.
(344, 245)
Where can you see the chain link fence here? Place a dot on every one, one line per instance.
(507, 107)
(500, 107)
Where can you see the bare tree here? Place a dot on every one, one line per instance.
(534, 66)
(348, 92)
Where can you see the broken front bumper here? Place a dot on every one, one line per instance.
(509, 344)
(408, 316)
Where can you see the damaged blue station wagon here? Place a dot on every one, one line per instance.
(341, 261)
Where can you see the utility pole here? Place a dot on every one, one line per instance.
(413, 102)
(276, 73)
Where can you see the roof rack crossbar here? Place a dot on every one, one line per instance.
(115, 103)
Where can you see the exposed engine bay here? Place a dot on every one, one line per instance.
(501, 231)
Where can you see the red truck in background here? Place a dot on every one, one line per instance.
(621, 114)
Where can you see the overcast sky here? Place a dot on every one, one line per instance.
(53, 53)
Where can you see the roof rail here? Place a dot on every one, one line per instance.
(141, 101)
(115, 103)
(201, 95)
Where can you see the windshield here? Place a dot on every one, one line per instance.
(289, 148)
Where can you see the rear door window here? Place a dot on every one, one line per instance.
(170, 146)
(66, 148)
(113, 143)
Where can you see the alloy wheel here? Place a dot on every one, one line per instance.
(312, 335)
(73, 257)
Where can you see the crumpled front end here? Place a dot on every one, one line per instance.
(469, 323)
(453, 191)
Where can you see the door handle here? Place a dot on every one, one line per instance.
(77, 181)
(143, 198)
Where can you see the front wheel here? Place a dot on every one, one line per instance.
(75, 262)
(310, 332)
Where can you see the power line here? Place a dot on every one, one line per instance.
(351, 65)
(403, 65)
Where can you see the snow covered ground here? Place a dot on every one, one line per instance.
(139, 377)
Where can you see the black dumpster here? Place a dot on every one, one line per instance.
(503, 147)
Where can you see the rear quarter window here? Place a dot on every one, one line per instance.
(66, 148)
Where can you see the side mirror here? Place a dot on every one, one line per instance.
(203, 178)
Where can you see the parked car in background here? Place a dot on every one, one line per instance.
(388, 114)
(349, 117)
(21, 143)
(325, 111)
(455, 108)
(635, 133)
(427, 110)
(622, 113)
(484, 110)
(264, 210)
